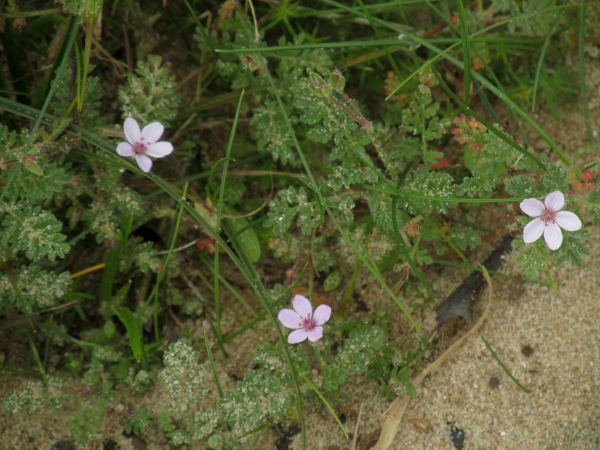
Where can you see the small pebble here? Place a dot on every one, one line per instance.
(527, 351)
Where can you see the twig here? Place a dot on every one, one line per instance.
(360, 410)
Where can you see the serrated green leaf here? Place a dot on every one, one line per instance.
(34, 231)
(521, 186)
(464, 237)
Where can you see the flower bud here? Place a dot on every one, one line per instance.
(337, 80)
(318, 85)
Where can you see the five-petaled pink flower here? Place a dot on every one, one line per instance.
(144, 143)
(303, 321)
(549, 219)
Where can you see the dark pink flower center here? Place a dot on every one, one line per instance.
(548, 217)
(307, 323)
(141, 146)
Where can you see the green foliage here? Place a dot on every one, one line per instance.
(555, 179)
(150, 95)
(183, 381)
(83, 7)
(521, 186)
(594, 200)
(387, 170)
(264, 394)
(63, 102)
(38, 189)
(183, 376)
(39, 288)
(357, 355)
(107, 211)
(293, 203)
(139, 422)
(481, 184)
(421, 118)
(530, 17)
(86, 424)
(532, 257)
(464, 237)
(302, 105)
(146, 258)
(436, 185)
(33, 230)
(573, 248)
(33, 397)
(394, 369)
(360, 347)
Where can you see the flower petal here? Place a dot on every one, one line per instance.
(159, 149)
(290, 319)
(315, 334)
(553, 236)
(321, 315)
(125, 149)
(144, 162)
(297, 336)
(533, 230)
(567, 221)
(152, 132)
(132, 130)
(532, 207)
(302, 306)
(555, 201)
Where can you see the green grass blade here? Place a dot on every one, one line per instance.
(212, 361)
(376, 31)
(326, 403)
(466, 50)
(133, 331)
(541, 59)
(228, 286)
(119, 297)
(217, 301)
(112, 262)
(172, 239)
(584, 89)
(510, 375)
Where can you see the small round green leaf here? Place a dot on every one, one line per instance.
(333, 280)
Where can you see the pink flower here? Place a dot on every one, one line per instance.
(302, 320)
(143, 143)
(549, 219)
